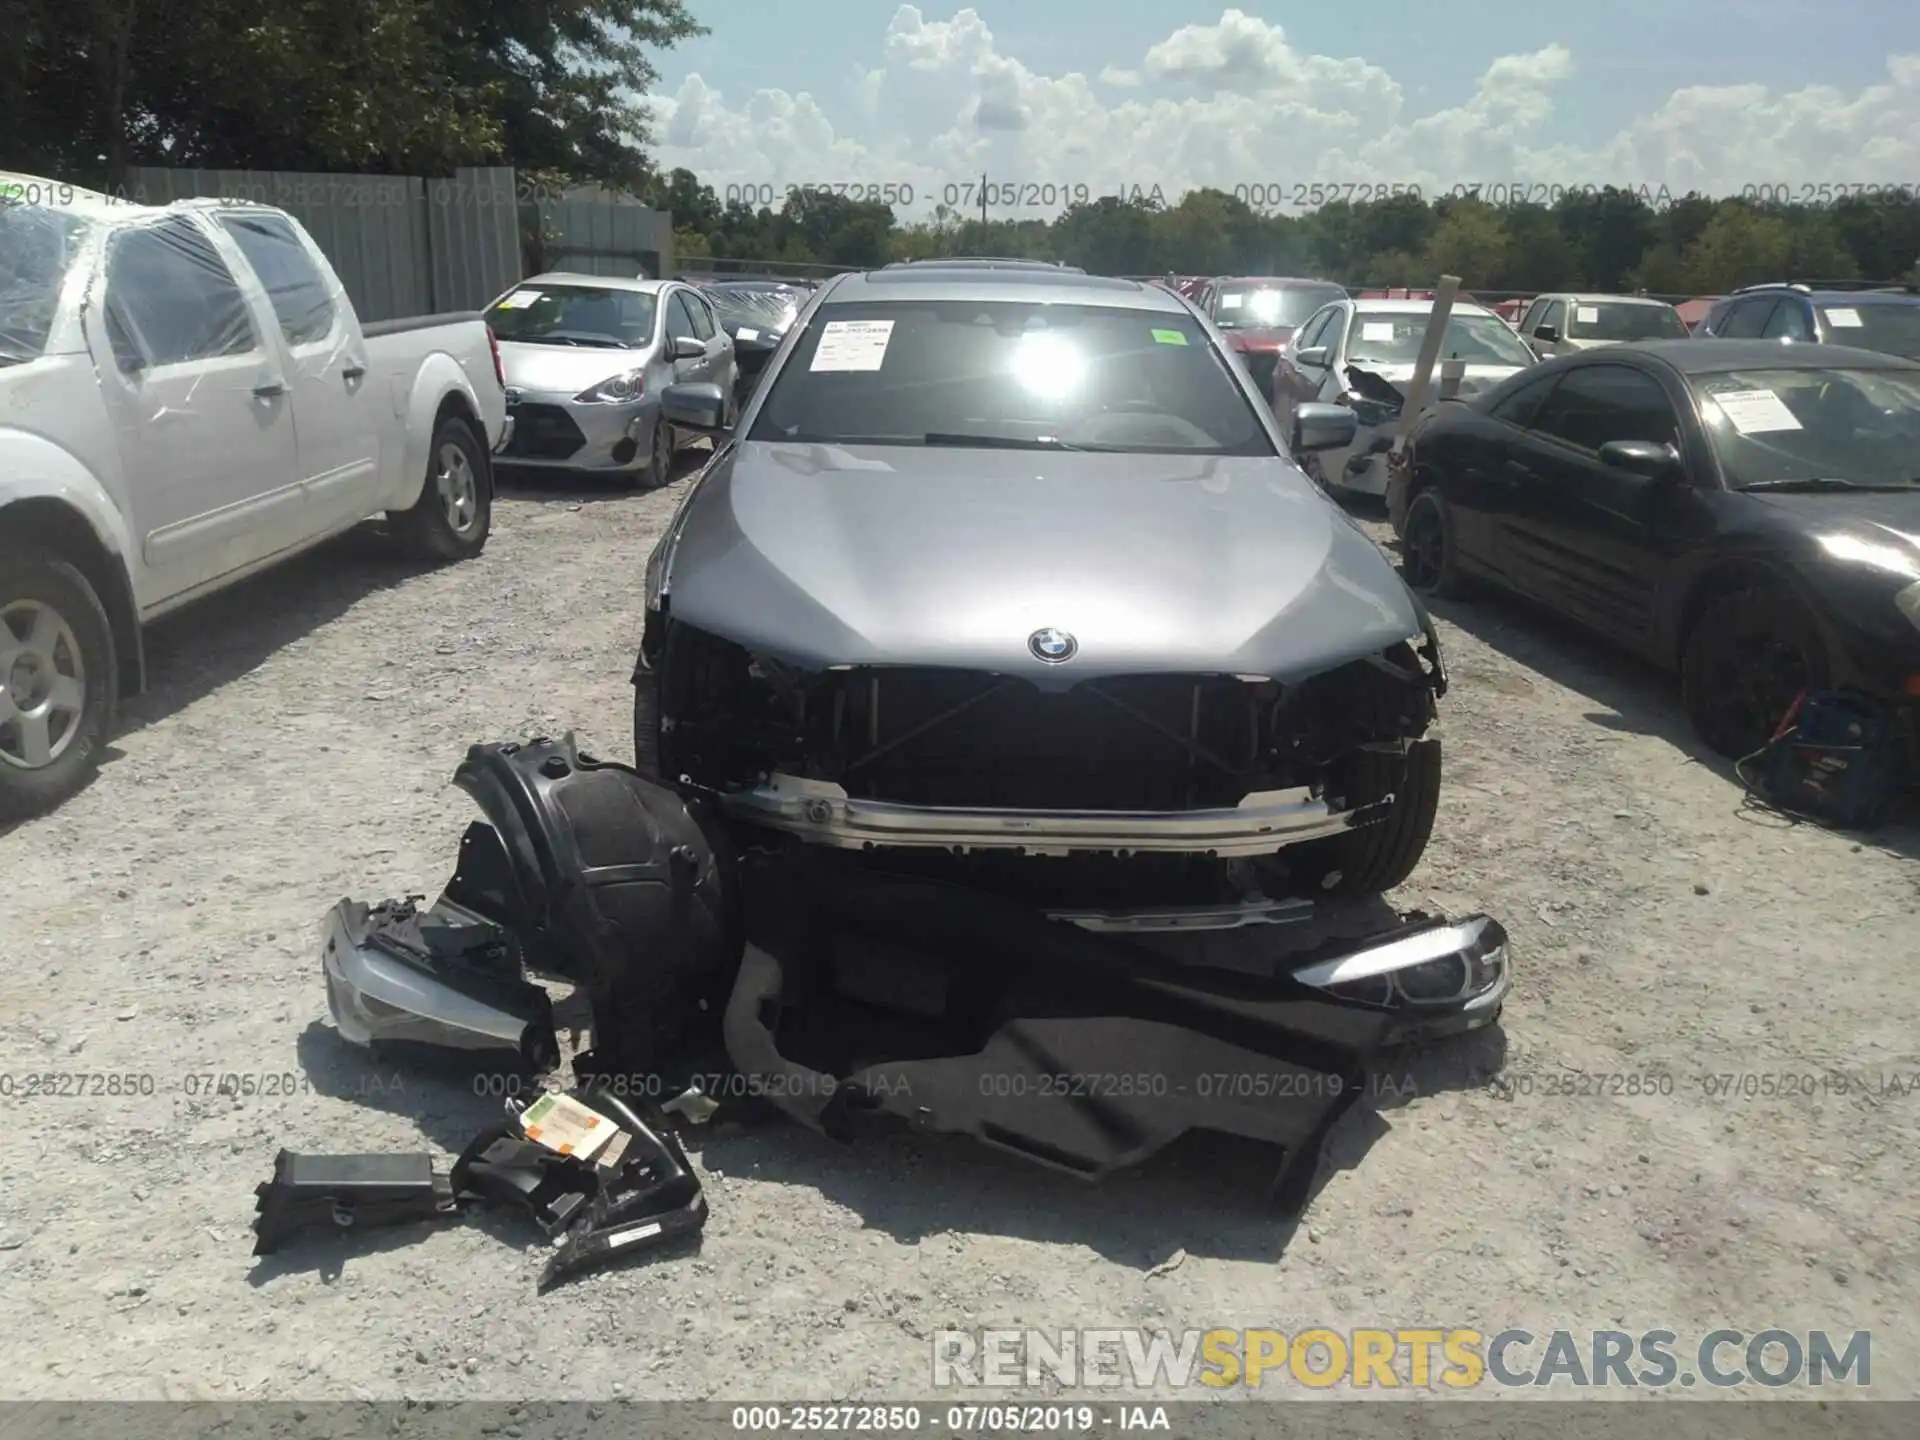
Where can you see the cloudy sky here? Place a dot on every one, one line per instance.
(1058, 98)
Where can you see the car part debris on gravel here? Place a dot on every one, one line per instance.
(838, 991)
(629, 1189)
(346, 1191)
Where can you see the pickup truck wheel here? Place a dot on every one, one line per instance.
(455, 510)
(59, 682)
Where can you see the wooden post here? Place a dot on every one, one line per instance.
(1416, 388)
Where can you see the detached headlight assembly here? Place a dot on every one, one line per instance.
(618, 390)
(1443, 965)
(1908, 602)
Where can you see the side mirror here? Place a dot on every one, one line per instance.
(685, 347)
(1547, 334)
(1323, 427)
(1316, 357)
(694, 406)
(1643, 458)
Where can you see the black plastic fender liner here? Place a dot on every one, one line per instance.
(608, 878)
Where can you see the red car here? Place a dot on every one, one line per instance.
(1259, 314)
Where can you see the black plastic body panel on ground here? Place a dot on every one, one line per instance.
(1073, 1049)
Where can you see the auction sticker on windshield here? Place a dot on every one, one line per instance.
(1378, 332)
(1756, 412)
(743, 333)
(1587, 314)
(1170, 337)
(520, 299)
(852, 345)
(1845, 319)
(1232, 302)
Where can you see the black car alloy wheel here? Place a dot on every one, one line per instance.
(1752, 655)
(1426, 547)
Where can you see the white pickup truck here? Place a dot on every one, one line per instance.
(187, 397)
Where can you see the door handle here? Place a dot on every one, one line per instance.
(269, 390)
(354, 371)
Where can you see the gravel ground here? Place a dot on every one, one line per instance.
(297, 747)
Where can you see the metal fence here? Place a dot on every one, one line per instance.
(402, 245)
(592, 231)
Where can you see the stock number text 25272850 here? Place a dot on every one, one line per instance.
(1311, 194)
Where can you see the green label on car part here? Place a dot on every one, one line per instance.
(1170, 337)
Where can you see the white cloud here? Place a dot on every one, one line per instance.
(1235, 104)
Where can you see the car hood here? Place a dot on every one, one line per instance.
(825, 555)
(1476, 378)
(1886, 524)
(564, 369)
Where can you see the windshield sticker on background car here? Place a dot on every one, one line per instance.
(743, 333)
(852, 345)
(1170, 337)
(1845, 319)
(520, 299)
(1756, 412)
(1232, 302)
(1378, 332)
(1587, 314)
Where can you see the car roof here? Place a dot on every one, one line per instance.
(1279, 282)
(599, 282)
(1705, 356)
(1418, 307)
(1585, 297)
(1869, 294)
(1046, 287)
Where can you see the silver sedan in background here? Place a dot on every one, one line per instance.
(586, 358)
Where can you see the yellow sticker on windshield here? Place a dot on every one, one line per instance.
(1170, 337)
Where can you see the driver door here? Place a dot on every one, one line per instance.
(1579, 535)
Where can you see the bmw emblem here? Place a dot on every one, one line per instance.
(1052, 647)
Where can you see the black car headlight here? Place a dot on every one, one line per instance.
(1438, 965)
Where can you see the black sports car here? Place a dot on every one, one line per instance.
(757, 314)
(1744, 512)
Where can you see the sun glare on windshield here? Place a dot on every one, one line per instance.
(1048, 366)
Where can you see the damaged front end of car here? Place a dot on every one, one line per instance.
(962, 761)
(841, 988)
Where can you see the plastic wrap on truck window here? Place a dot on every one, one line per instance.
(185, 284)
(39, 249)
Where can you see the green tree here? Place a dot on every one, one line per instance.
(1471, 242)
(1539, 254)
(379, 85)
(1739, 247)
(1109, 235)
(1609, 232)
